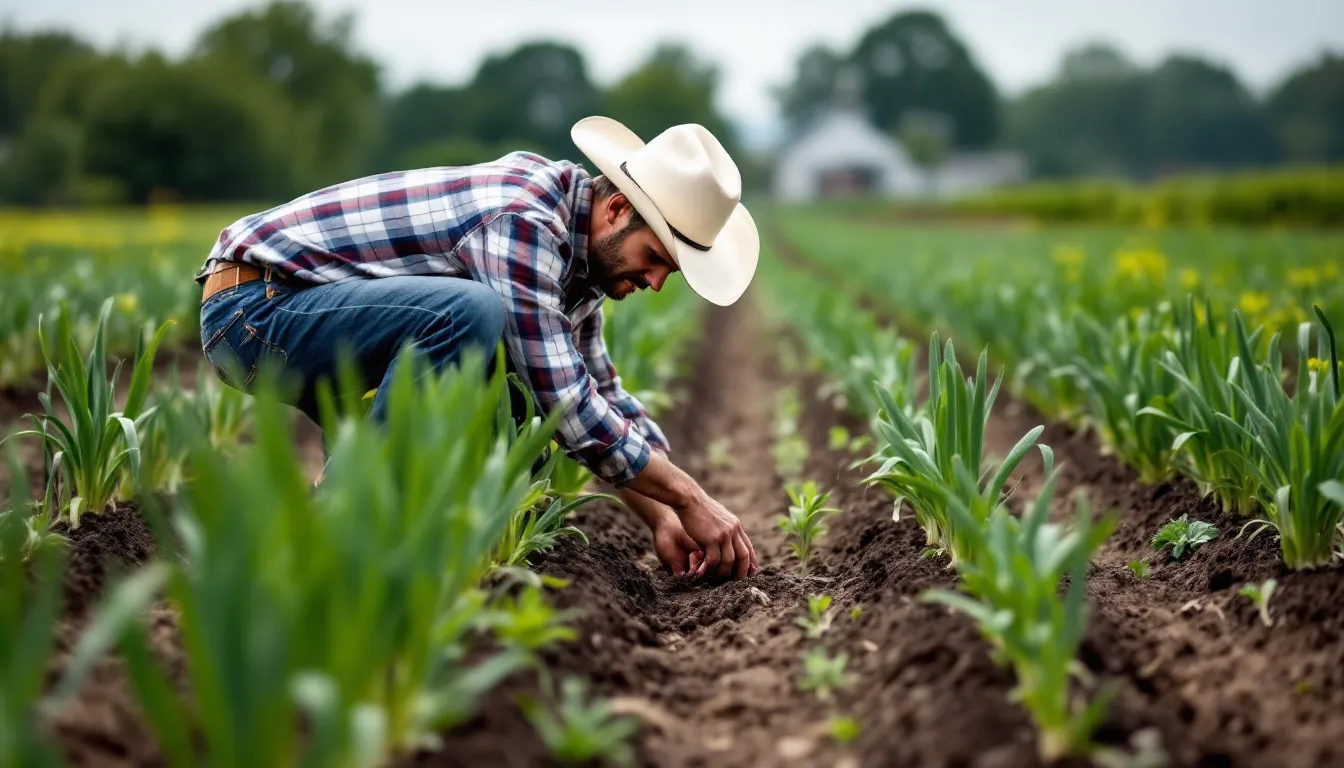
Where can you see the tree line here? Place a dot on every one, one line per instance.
(1100, 115)
(276, 100)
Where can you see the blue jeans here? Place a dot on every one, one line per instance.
(301, 331)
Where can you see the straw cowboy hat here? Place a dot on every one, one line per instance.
(689, 190)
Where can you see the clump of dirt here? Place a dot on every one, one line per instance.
(102, 544)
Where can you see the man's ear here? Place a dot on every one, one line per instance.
(617, 206)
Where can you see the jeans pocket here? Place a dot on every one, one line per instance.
(238, 352)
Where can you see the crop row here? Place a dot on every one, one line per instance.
(1021, 579)
(143, 260)
(320, 626)
(1171, 383)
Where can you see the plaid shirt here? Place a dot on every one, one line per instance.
(520, 226)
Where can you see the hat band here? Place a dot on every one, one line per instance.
(675, 232)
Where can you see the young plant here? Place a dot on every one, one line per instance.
(1184, 535)
(1260, 594)
(938, 456)
(1204, 363)
(94, 444)
(1295, 443)
(1013, 581)
(527, 622)
(1139, 568)
(579, 732)
(359, 596)
(819, 615)
(843, 729)
(1119, 370)
(823, 674)
(805, 522)
(30, 600)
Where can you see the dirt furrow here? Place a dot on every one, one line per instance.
(714, 671)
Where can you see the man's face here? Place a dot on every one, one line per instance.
(625, 258)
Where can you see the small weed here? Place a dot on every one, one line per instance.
(1184, 534)
(1139, 568)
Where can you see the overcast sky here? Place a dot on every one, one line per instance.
(755, 42)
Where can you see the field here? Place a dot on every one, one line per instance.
(954, 447)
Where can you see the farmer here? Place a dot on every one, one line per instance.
(522, 249)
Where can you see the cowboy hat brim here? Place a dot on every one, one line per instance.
(721, 274)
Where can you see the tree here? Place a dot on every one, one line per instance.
(671, 88)
(27, 63)
(533, 93)
(420, 116)
(185, 131)
(913, 61)
(1198, 115)
(1308, 111)
(1088, 121)
(334, 89)
(813, 89)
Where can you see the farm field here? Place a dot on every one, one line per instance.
(371, 643)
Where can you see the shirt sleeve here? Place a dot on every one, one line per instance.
(519, 260)
(593, 346)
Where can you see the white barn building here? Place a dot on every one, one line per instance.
(841, 153)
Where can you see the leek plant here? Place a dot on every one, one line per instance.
(93, 444)
(30, 599)
(1204, 363)
(939, 454)
(1119, 370)
(1296, 443)
(329, 626)
(1013, 584)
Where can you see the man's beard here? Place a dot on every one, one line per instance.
(608, 269)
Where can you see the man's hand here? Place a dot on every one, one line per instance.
(727, 550)
(674, 548)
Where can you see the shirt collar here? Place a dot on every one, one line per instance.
(579, 221)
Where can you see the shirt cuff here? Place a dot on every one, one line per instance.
(624, 459)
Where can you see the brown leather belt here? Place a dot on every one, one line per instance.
(230, 274)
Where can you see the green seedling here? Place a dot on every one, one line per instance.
(823, 674)
(843, 729)
(819, 616)
(1184, 535)
(804, 524)
(527, 622)
(1260, 594)
(579, 732)
(719, 454)
(1139, 568)
(855, 612)
(837, 439)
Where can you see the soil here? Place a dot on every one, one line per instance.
(713, 671)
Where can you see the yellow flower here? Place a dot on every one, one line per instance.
(1315, 364)
(1141, 264)
(1303, 278)
(128, 303)
(1189, 279)
(1254, 302)
(1068, 255)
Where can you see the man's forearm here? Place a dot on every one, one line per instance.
(663, 481)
